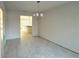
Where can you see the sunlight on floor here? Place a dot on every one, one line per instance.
(26, 32)
(25, 35)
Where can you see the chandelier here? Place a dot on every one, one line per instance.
(37, 10)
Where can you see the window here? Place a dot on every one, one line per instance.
(1, 24)
(26, 20)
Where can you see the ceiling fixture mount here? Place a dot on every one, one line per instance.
(38, 13)
(38, 1)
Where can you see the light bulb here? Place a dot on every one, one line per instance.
(37, 14)
(41, 14)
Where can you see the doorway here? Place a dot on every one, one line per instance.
(25, 27)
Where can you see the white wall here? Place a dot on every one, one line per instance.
(35, 26)
(13, 24)
(61, 25)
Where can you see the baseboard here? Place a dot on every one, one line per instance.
(35, 36)
(60, 45)
(13, 38)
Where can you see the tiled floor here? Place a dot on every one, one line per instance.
(35, 47)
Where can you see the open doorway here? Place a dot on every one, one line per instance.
(25, 27)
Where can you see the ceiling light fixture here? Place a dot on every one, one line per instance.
(38, 13)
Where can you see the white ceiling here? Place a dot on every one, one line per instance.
(31, 6)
